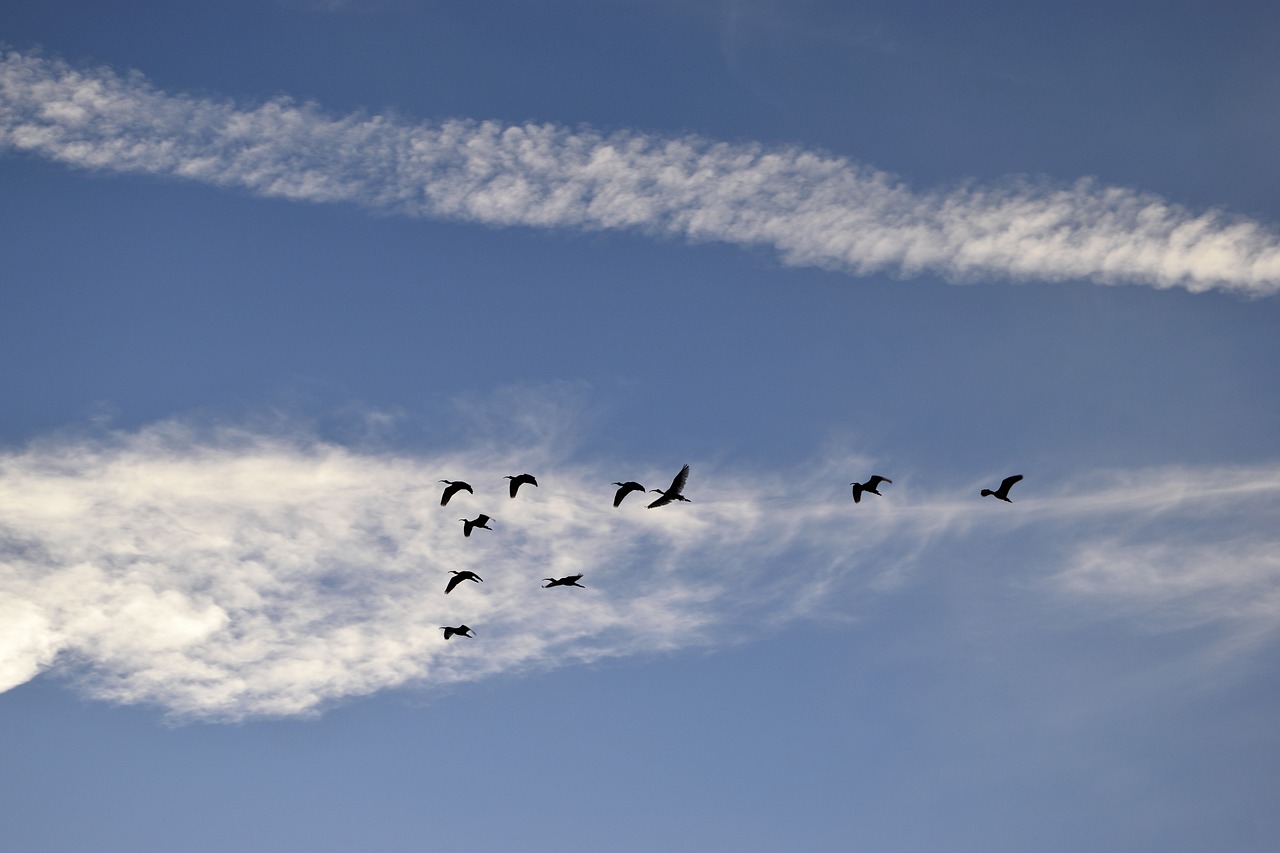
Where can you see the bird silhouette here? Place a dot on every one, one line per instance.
(459, 577)
(461, 631)
(1003, 492)
(626, 489)
(518, 480)
(481, 521)
(570, 580)
(452, 489)
(672, 492)
(869, 487)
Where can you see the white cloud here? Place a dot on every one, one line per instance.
(231, 574)
(226, 573)
(813, 209)
(1180, 549)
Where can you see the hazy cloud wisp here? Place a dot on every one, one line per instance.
(813, 209)
(241, 574)
(230, 573)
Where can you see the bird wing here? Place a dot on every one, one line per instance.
(453, 581)
(626, 489)
(663, 500)
(857, 492)
(875, 481)
(1007, 482)
(452, 489)
(482, 520)
(514, 486)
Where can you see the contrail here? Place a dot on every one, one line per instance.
(813, 209)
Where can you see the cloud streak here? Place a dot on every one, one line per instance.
(813, 209)
(229, 573)
(238, 574)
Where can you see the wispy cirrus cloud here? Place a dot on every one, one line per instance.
(1185, 548)
(813, 209)
(230, 573)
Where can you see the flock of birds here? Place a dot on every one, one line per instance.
(674, 492)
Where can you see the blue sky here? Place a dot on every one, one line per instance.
(273, 269)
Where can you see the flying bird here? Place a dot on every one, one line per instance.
(459, 577)
(626, 489)
(1003, 492)
(452, 489)
(481, 521)
(461, 631)
(869, 487)
(673, 491)
(571, 580)
(518, 480)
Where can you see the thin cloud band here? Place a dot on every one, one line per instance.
(813, 209)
